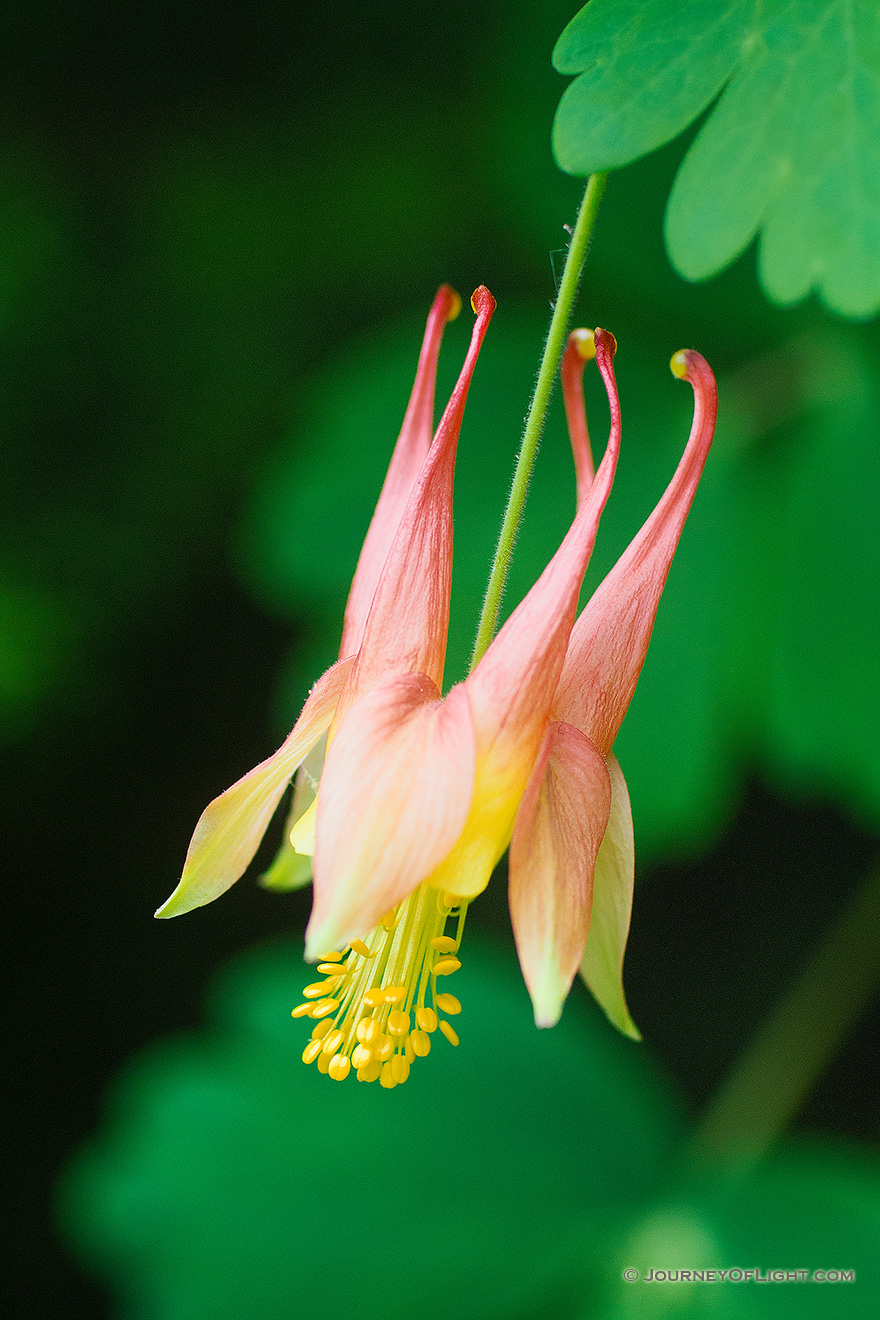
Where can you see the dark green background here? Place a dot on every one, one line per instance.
(201, 208)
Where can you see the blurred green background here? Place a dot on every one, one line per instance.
(221, 227)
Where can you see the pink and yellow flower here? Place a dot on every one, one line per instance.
(407, 799)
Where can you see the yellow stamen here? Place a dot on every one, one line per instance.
(446, 966)
(332, 1042)
(340, 1066)
(421, 1043)
(378, 1003)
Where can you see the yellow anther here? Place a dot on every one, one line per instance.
(454, 304)
(679, 365)
(585, 342)
(340, 1066)
(447, 1004)
(443, 944)
(383, 1048)
(421, 1043)
(332, 1042)
(311, 1051)
(400, 1068)
(360, 1026)
(398, 1023)
(450, 1034)
(368, 1030)
(446, 966)
(323, 1007)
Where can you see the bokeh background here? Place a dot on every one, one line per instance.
(221, 226)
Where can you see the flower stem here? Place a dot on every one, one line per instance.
(553, 350)
(791, 1050)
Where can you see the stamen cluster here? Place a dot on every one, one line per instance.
(378, 1004)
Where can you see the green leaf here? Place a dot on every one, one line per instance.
(806, 1209)
(790, 150)
(232, 1181)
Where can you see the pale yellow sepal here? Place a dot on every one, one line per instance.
(602, 965)
(230, 828)
(292, 869)
(302, 836)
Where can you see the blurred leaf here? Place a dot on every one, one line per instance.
(791, 149)
(39, 638)
(825, 678)
(233, 1181)
(811, 1208)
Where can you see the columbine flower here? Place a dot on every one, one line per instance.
(420, 795)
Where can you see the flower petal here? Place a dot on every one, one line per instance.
(513, 685)
(407, 625)
(602, 965)
(559, 827)
(580, 350)
(230, 828)
(409, 454)
(610, 639)
(394, 795)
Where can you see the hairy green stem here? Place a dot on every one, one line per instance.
(791, 1050)
(553, 350)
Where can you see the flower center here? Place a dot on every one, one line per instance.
(378, 1004)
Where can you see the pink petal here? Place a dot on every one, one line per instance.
(580, 350)
(602, 965)
(394, 795)
(407, 625)
(409, 454)
(230, 828)
(559, 827)
(610, 639)
(513, 685)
